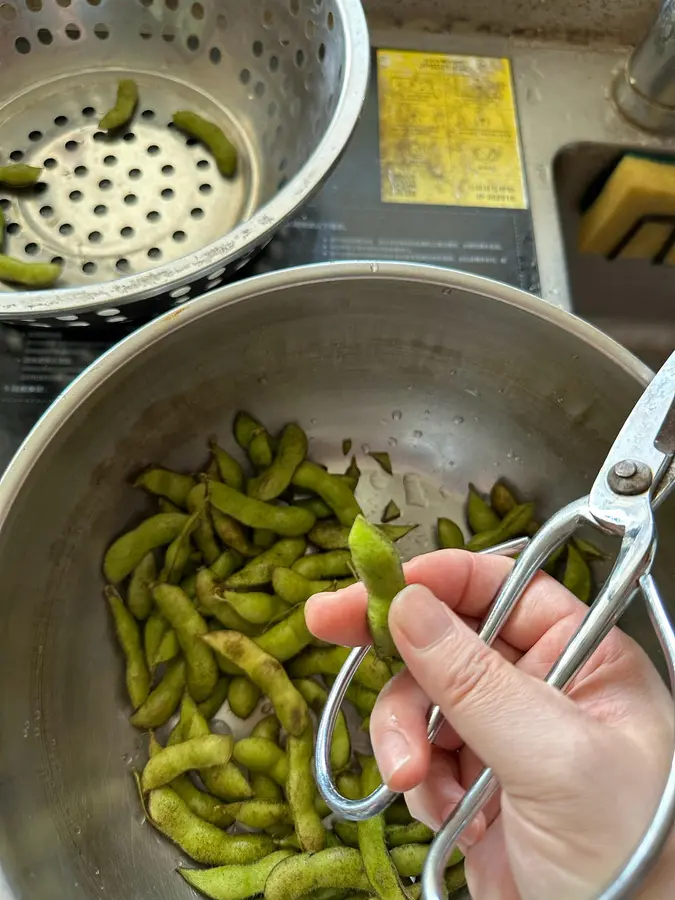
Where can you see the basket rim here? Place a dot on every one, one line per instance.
(246, 236)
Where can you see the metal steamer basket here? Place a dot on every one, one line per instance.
(141, 219)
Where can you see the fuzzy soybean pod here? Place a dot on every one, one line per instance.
(513, 524)
(287, 521)
(287, 637)
(502, 499)
(371, 833)
(267, 673)
(190, 627)
(480, 514)
(331, 488)
(315, 697)
(269, 727)
(230, 471)
(234, 882)
(209, 707)
(243, 696)
(139, 593)
(450, 535)
(301, 791)
(260, 814)
(125, 104)
(259, 571)
(411, 833)
(203, 842)
(378, 566)
(28, 274)
(265, 788)
(203, 536)
(320, 566)
(409, 859)
(163, 700)
(19, 175)
(174, 486)
(214, 139)
(212, 605)
(295, 588)
(261, 755)
(333, 536)
(127, 551)
(336, 867)
(577, 577)
(373, 673)
(256, 607)
(195, 753)
(232, 533)
(291, 451)
(178, 552)
(129, 637)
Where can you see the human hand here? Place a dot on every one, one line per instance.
(580, 773)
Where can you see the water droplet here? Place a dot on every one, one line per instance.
(262, 380)
(410, 387)
(415, 494)
(472, 391)
(446, 291)
(509, 455)
(378, 480)
(445, 492)
(458, 420)
(392, 442)
(97, 871)
(417, 434)
(77, 829)
(397, 415)
(374, 267)
(312, 421)
(560, 400)
(365, 448)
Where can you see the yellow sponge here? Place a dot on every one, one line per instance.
(634, 214)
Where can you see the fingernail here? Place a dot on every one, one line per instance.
(421, 616)
(393, 753)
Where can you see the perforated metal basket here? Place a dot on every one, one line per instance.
(142, 220)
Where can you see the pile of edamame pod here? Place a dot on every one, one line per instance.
(207, 596)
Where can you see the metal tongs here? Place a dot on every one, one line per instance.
(637, 475)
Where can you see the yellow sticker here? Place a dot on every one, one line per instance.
(448, 131)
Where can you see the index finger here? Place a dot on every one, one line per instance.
(466, 582)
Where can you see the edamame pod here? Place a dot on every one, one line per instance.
(480, 514)
(166, 506)
(264, 538)
(153, 632)
(301, 791)
(166, 483)
(243, 696)
(261, 450)
(502, 499)
(28, 274)
(256, 607)
(362, 698)
(373, 673)
(178, 552)
(320, 566)
(291, 451)
(221, 148)
(512, 525)
(227, 563)
(245, 428)
(195, 753)
(127, 551)
(202, 841)
(234, 882)
(209, 707)
(378, 566)
(229, 469)
(227, 782)
(315, 697)
(163, 701)
(588, 550)
(260, 813)
(347, 832)
(336, 867)
(265, 788)
(211, 604)
(269, 728)
(288, 637)
(577, 577)
(125, 104)
(129, 637)
(391, 512)
(168, 648)
(383, 460)
(294, 588)
(232, 533)
(412, 833)
(320, 509)
(260, 755)
(333, 536)
(202, 670)
(450, 535)
(398, 813)
(379, 867)
(409, 859)
(203, 534)
(139, 595)
(267, 673)
(287, 521)
(258, 572)
(19, 175)
(332, 490)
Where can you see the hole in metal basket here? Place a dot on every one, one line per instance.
(153, 216)
(7, 12)
(294, 7)
(44, 35)
(22, 45)
(274, 64)
(192, 42)
(50, 163)
(110, 160)
(154, 253)
(66, 228)
(75, 195)
(203, 164)
(282, 183)
(61, 120)
(122, 265)
(129, 137)
(300, 59)
(221, 22)
(94, 2)
(78, 325)
(167, 170)
(106, 313)
(167, 193)
(215, 55)
(69, 145)
(66, 318)
(95, 237)
(101, 31)
(179, 236)
(171, 5)
(80, 171)
(321, 52)
(105, 184)
(13, 228)
(260, 89)
(64, 3)
(46, 211)
(58, 261)
(88, 111)
(100, 210)
(73, 32)
(130, 199)
(89, 268)
(180, 292)
(146, 2)
(148, 114)
(153, 150)
(127, 231)
(272, 109)
(135, 173)
(145, 32)
(118, 319)
(168, 35)
(100, 135)
(35, 136)
(217, 274)
(5, 204)
(309, 29)
(258, 48)
(197, 212)
(205, 188)
(244, 76)
(330, 21)
(16, 155)
(40, 187)
(267, 18)
(32, 248)
(197, 11)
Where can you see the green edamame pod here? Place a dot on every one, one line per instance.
(229, 469)
(391, 512)
(19, 175)
(409, 859)
(189, 585)
(412, 833)
(346, 446)
(28, 274)
(577, 578)
(288, 521)
(291, 451)
(127, 551)
(349, 785)
(323, 810)
(294, 588)
(153, 632)
(234, 882)
(316, 505)
(333, 536)
(378, 566)
(258, 572)
(221, 148)
(398, 813)
(227, 563)
(502, 499)
(243, 696)
(178, 552)
(203, 535)
(513, 524)
(166, 506)
(320, 566)
(373, 673)
(233, 534)
(455, 878)
(202, 841)
(288, 637)
(125, 104)
(379, 867)
(168, 648)
(347, 832)
(315, 697)
(301, 791)
(266, 788)
(129, 637)
(480, 514)
(352, 474)
(362, 698)
(267, 673)
(336, 867)
(139, 595)
(163, 701)
(264, 538)
(174, 486)
(588, 550)
(245, 428)
(261, 450)
(260, 755)
(256, 607)
(209, 707)
(260, 813)
(269, 727)
(210, 604)
(450, 535)
(195, 753)
(178, 609)
(332, 490)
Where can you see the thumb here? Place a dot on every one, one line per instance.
(521, 727)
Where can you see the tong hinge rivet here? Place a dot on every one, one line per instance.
(629, 477)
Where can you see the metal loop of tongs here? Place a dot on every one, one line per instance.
(637, 475)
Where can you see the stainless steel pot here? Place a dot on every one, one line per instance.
(458, 377)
